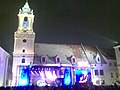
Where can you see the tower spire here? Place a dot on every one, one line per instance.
(26, 0)
(26, 17)
(26, 8)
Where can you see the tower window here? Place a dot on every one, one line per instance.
(23, 60)
(24, 40)
(25, 19)
(25, 23)
(23, 50)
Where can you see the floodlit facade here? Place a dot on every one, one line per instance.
(4, 59)
(117, 53)
(104, 70)
(24, 37)
(77, 57)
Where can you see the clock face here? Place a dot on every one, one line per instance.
(25, 24)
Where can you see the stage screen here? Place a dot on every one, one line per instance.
(44, 77)
(83, 76)
(67, 77)
(24, 77)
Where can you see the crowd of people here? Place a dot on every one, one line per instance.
(73, 87)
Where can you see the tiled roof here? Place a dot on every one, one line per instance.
(80, 52)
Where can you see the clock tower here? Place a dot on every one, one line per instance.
(24, 37)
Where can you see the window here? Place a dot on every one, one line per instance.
(25, 23)
(24, 40)
(98, 59)
(25, 19)
(119, 48)
(23, 50)
(115, 64)
(23, 60)
(43, 59)
(111, 75)
(110, 64)
(58, 59)
(23, 56)
(73, 59)
(101, 72)
(103, 81)
(117, 75)
(96, 72)
(97, 82)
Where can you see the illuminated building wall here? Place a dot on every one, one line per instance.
(80, 56)
(117, 52)
(4, 59)
(103, 69)
(24, 37)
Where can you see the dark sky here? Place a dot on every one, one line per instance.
(90, 22)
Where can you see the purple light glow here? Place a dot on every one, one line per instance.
(43, 77)
(49, 75)
(32, 72)
(36, 73)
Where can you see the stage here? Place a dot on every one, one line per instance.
(42, 75)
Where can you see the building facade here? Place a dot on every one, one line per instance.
(4, 74)
(78, 57)
(117, 53)
(24, 37)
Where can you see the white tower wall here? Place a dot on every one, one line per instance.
(23, 53)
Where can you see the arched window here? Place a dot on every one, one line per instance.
(25, 23)
(23, 50)
(25, 19)
(23, 60)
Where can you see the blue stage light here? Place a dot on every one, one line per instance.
(24, 77)
(67, 77)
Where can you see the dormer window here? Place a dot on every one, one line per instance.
(43, 61)
(73, 60)
(98, 59)
(57, 59)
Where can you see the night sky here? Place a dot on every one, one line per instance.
(90, 22)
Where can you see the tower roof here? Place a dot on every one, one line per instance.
(26, 9)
